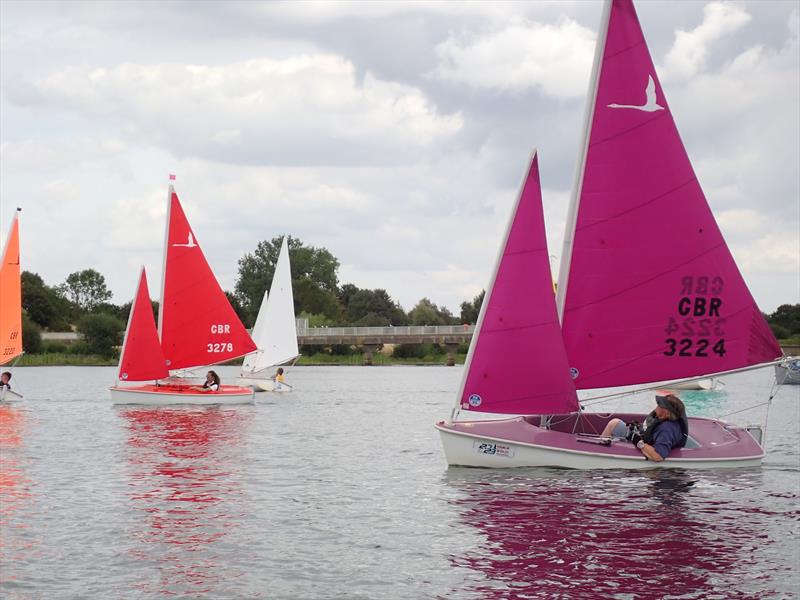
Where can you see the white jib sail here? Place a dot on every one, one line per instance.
(275, 331)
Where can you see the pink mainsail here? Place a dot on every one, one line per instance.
(198, 326)
(142, 358)
(517, 363)
(653, 293)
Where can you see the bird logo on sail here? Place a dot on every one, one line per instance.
(189, 244)
(650, 104)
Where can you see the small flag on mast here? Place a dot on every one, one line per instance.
(172, 177)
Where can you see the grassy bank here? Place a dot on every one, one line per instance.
(58, 359)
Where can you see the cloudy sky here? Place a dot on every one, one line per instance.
(394, 134)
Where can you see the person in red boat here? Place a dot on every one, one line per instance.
(211, 384)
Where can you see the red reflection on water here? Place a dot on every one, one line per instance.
(549, 538)
(184, 478)
(15, 492)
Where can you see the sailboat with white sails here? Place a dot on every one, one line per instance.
(274, 332)
(648, 291)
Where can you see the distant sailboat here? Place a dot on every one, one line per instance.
(648, 291)
(10, 305)
(197, 327)
(274, 332)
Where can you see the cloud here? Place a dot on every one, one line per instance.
(57, 154)
(307, 109)
(524, 54)
(688, 55)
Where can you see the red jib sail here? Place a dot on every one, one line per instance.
(198, 326)
(142, 358)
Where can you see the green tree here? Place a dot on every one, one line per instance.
(43, 304)
(787, 316)
(377, 302)
(102, 333)
(31, 336)
(310, 297)
(316, 266)
(471, 310)
(427, 313)
(86, 289)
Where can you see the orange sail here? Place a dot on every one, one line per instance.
(197, 324)
(10, 298)
(142, 358)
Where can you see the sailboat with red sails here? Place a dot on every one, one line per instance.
(197, 326)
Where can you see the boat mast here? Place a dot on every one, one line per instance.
(577, 184)
(487, 296)
(170, 192)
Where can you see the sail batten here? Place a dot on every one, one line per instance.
(652, 292)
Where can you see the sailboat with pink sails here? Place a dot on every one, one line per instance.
(197, 326)
(648, 291)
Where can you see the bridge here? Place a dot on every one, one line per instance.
(369, 339)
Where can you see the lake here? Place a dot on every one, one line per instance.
(340, 490)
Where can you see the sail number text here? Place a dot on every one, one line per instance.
(221, 347)
(697, 328)
(217, 329)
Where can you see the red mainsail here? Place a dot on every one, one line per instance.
(197, 324)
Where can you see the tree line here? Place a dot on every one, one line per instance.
(82, 302)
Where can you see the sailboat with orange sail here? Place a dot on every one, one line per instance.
(197, 326)
(10, 307)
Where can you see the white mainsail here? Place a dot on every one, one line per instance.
(275, 332)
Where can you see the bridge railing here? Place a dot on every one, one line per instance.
(385, 331)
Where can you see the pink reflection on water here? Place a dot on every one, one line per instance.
(621, 536)
(184, 480)
(15, 494)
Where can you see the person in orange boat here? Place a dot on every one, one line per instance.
(5, 380)
(211, 384)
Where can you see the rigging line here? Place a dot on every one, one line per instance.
(666, 384)
(638, 206)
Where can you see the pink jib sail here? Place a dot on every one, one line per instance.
(198, 326)
(142, 358)
(517, 363)
(653, 293)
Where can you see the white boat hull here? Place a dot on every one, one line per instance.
(7, 395)
(707, 384)
(471, 444)
(151, 395)
(787, 375)
(264, 385)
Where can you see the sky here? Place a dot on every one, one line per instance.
(394, 134)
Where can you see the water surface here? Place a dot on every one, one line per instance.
(340, 490)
